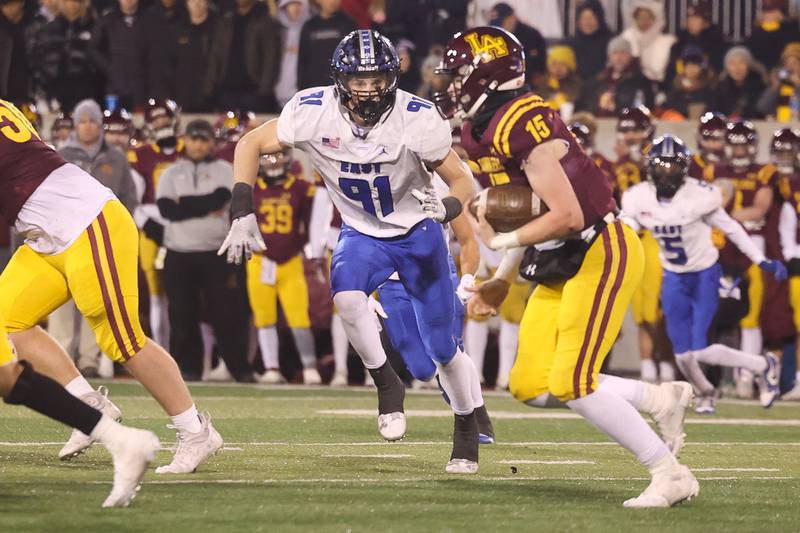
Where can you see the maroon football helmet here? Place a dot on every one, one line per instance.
(61, 128)
(478, 62)
(161, 118)
(232, 124)
(785, 150)
(635, 129)
(582, 134)
(741, 144)
(711, 136)
(117, 121)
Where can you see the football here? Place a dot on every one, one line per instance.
(508, 207)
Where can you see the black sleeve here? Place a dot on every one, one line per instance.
(201, 205)
(171, 210)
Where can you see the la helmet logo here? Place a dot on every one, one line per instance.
(486, 46)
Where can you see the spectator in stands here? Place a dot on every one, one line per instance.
(318, 39)
(591, 39)
(410, 76)
(693, 88)
(87, 149)
(446, 18)
(16, 81)
(781, 99)
(62, 59)
(48, 10)
(403, 20)
(292, 14)
(119, 48)
(161, 21)
(431, 82)
(644, 30)
(740, 85)
(701, 32)
(561, 86)
(359, 11)
(503, 15)
(620, 85)
(245, 59)
(190, 49)
(193, 195)
(773, 31)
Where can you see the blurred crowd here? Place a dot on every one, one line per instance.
(255, 54)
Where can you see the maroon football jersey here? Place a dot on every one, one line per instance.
(746, 183)
(790, 192)
(514, 131)
(697, 168)
(25, 161)
(608, 170)
(283, 212)
(150, 161)
(628, 173)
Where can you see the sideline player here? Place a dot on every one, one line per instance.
(680, 212)
(283, 204)
(785, 151)
(80, 241)
(573, 317)
(374, 145)
(132, 449)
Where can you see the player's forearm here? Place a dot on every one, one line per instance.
(737, 235)
(551, 225)
(508, 268)
(262, 140)
(749, 214)
(470, 257)
(458, 177)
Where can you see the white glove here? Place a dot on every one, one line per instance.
(430, 203)
(467, 282)
(376, 309)
(243, 238)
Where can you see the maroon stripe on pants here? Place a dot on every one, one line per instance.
(612, 296)
(104, 290)
(598, 296)
(112, 265)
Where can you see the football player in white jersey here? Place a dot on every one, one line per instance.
(375, 147)
(680, 212)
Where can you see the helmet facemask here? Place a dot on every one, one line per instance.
(667, 174)
(368, 95)
(274, 167)
(740, 155)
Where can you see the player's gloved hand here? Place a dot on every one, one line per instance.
(243, 238)
(776, 268)
(376, 309)
(463, 290)
(441, 210)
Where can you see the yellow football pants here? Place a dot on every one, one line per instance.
(148, 251)
(755, 293)
(794, 299)
(645, 304)
(290, 288)
(6, 352)
(568, 329)
(99, 271)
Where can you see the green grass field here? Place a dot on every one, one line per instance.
(311, 460)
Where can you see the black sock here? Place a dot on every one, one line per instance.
(391, 391)
(465, 437)
(47, 397)
(484, 422)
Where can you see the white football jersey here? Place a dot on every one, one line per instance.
(369, 180)
(680, 225)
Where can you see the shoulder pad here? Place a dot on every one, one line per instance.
(525, 124)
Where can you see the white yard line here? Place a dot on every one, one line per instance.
(24, 444)
(370, 456)
(533, 462)
(735, 469)
(387, 481)
(514, 415)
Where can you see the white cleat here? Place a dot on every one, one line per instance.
(678, 396)
(132, 450)
(79, 442)
(392, 426)
(769, 381)
(193, 448)
(461, 466)
(272, 377)
(706, 405)
(339, 379)
(220, 373)
(668, 488)
(311, 376)
(793, 395)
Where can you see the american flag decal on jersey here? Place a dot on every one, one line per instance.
(331, 142)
